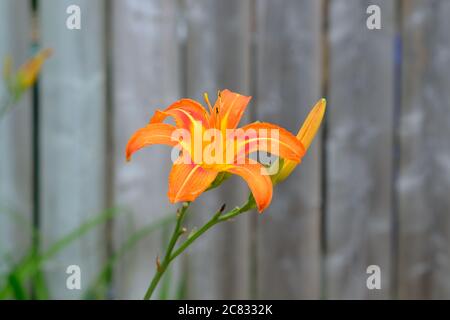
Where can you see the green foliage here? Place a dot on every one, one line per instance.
(25, 279)
(98, 290)
(27, 273)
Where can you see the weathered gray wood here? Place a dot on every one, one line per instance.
(424, 182)
(359, 150)
(15, 141)
(72, 139)
(217, 57)
(145, 77)
(288, 74)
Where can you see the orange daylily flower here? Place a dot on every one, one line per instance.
(188, 179)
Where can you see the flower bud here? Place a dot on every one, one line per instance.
(306, 135)
(28, 72)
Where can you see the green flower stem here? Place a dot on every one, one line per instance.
(171, 255)
(161, 268)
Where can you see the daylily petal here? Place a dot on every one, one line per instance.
(186, 113)
(231, 107)
(271, 138)
(188, 181)
(156, 133)
(258, 181)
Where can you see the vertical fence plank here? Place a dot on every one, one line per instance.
(424, 181)
(145, 77)
(15, 141)
(288, 74)
(359, 149)
(217, 57)
(72, 139)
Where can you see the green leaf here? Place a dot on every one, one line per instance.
(28, 270)
(182, 287)
(99, 288)
(40, 289)
(17, 287)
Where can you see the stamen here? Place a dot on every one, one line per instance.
(217, 109)
(205, 96)
(219, 94)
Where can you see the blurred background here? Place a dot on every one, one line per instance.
(374, 189)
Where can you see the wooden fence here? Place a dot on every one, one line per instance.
(373, 190)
